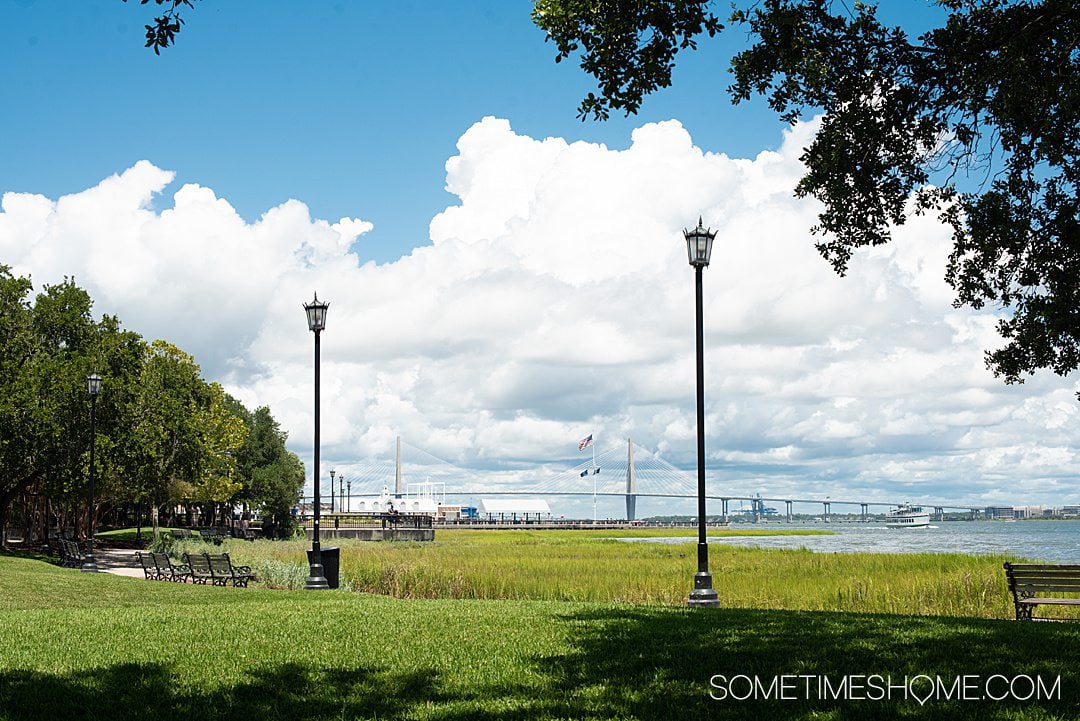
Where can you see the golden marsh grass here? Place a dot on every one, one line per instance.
(596, 567)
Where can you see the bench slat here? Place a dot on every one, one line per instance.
(1044, 566)
(1049, 601)
(1046, 588)
(1024, 573)
(1044, 582)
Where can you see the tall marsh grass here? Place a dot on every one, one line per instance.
(582, 566)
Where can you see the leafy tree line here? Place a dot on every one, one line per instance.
(164, 435)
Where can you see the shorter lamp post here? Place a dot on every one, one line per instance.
(348, 485)
(93, 385)
(332, 472)
(699, 243)
(316, 319)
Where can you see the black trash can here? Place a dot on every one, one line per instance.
(331, 559)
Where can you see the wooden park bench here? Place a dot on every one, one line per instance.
(56, 548)
(238, 531)
(212, 535)
(224, 572)
(181, 534)
(218, 569)
(1028, 579)
(200, 567)
(71, 555)
(169, 571)
(149, 567)
(159, 567)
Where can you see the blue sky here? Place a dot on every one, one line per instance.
(504, 279)
(352, 107)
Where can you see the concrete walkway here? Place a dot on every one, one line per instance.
(120, 561)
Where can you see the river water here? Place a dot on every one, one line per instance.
(1052, 541)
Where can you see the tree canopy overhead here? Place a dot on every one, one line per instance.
(163, 32)
(977, 120)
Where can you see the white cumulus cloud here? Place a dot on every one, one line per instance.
(555, 300)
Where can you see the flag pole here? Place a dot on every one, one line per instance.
(582, 445)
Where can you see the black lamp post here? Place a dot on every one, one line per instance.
(699, 247)
(316, 319)
(348, 485)
(93, 385)
(332, 472)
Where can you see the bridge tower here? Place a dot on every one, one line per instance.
(631, 483)
(397, 471)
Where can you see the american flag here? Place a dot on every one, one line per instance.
(585, 442)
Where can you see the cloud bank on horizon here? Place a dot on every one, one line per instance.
(555, 300)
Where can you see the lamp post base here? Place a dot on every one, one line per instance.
(89, 564)
(316, 580)
(703, 595)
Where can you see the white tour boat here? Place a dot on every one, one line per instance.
(907, 516)
(419, 498)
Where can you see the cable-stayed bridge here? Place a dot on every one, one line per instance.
(627, 470)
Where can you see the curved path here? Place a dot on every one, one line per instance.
(120, 561)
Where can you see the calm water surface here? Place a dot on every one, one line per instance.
(1054, 541)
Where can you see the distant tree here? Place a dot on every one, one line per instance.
(47, 349)
(272, 474)
(68, 343)
(222, 433)
(20, 414)
(120, 357)
(163, 446)
(46, 352)
(976, 120)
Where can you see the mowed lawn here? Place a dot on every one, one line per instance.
(77, 646)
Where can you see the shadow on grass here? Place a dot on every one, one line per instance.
(656, 664)
(620, 663)
(141, 691)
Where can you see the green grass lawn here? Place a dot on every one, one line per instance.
(128, 535)
(77, 646)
